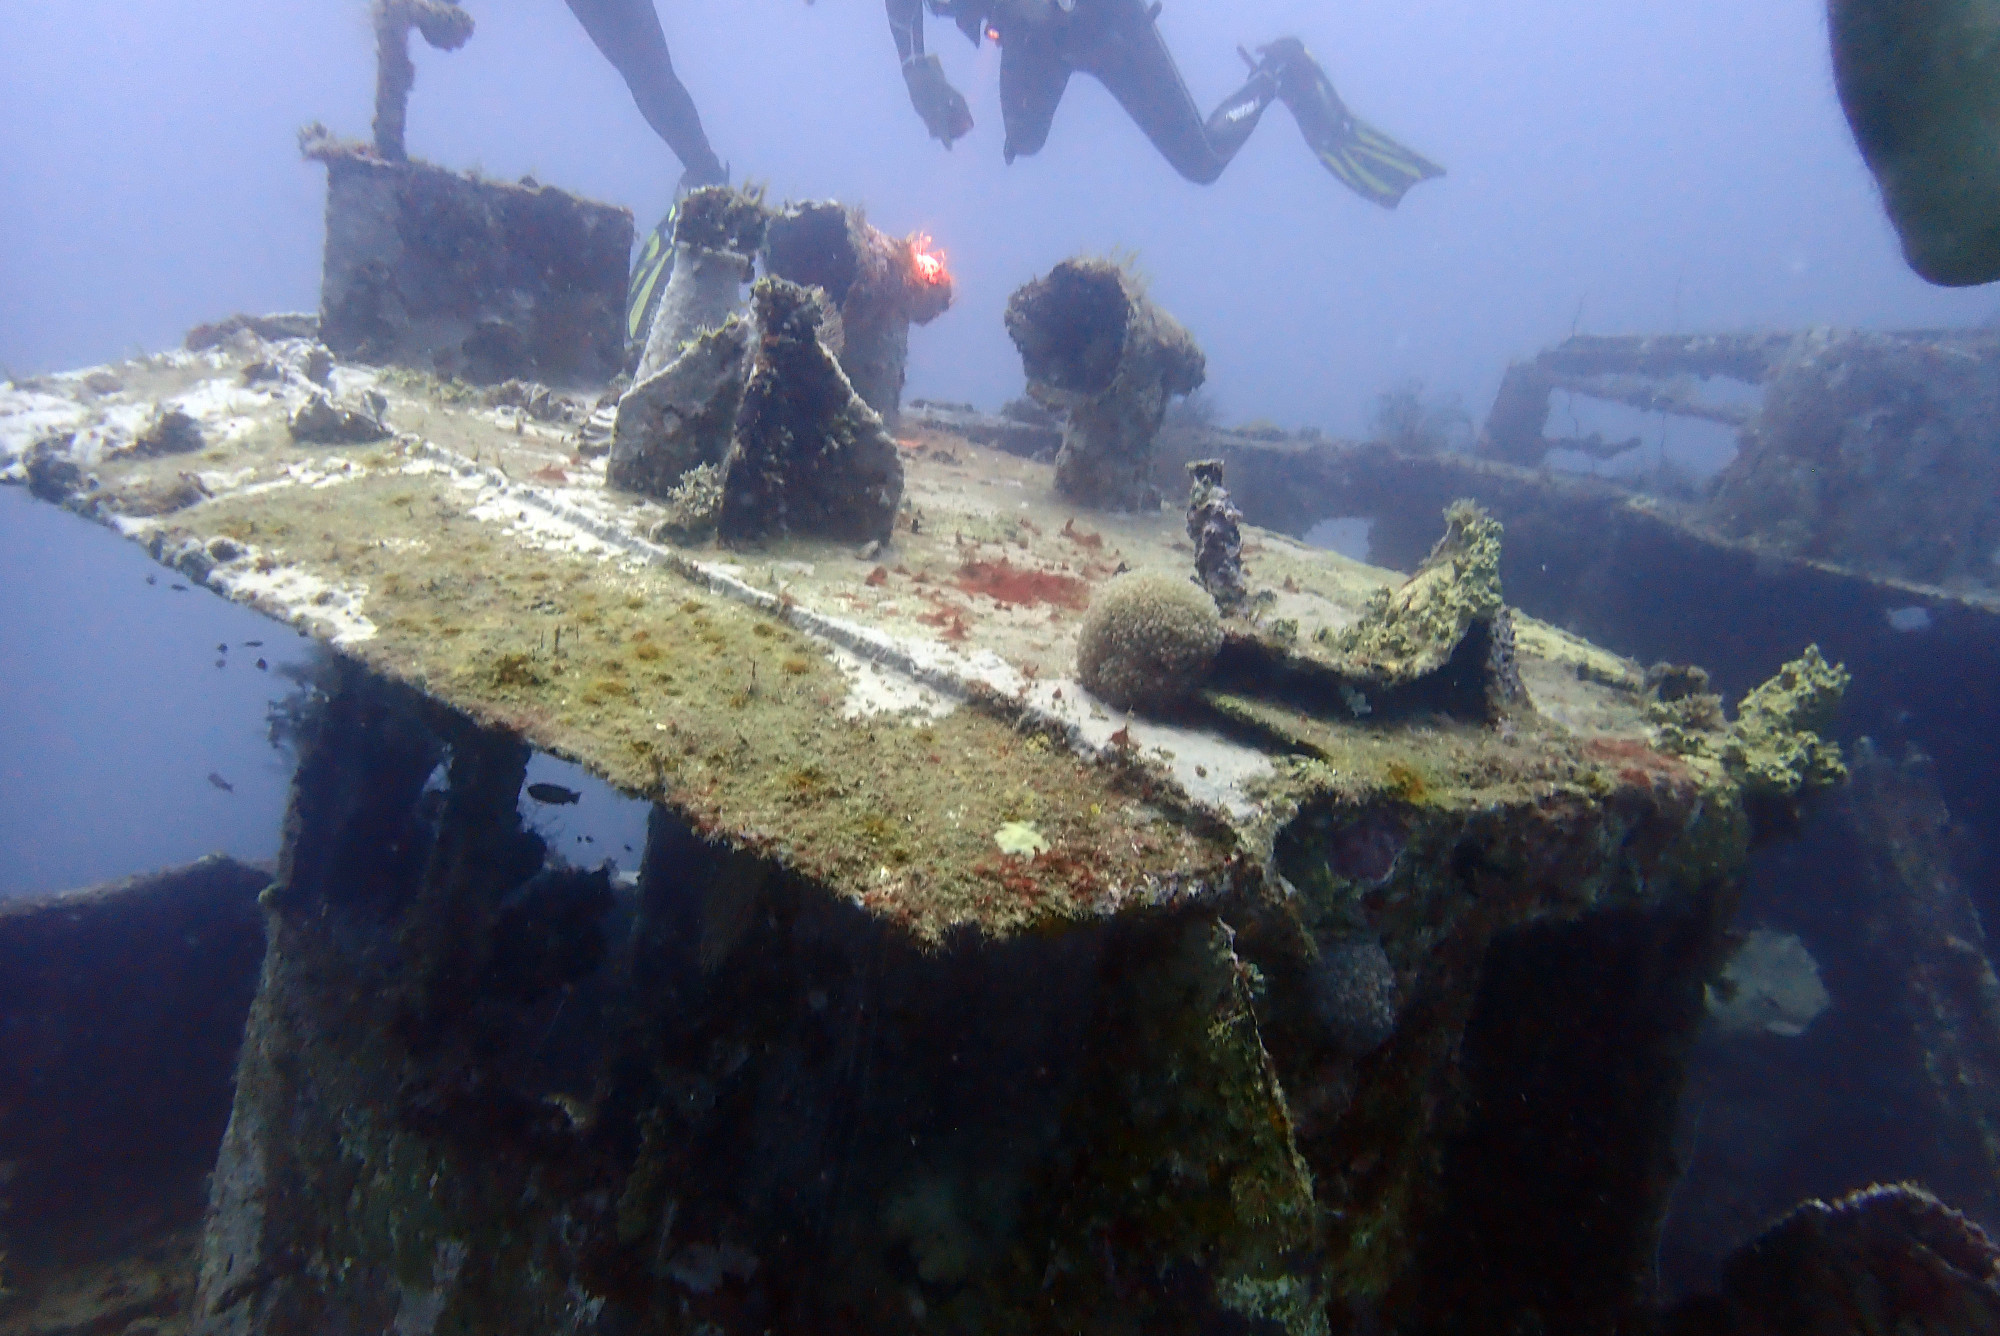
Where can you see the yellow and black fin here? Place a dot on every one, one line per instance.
(1364, 159)
(649, 280)
(1373, 165)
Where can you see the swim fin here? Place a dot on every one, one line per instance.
(1361, 157)
(1375, 166)
(648, 282)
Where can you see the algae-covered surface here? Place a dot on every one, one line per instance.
(899, 722)
(993, 1095)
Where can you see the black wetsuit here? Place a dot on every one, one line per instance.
(1116, 42)
(628, 33)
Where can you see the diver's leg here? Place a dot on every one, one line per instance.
(1118, 42)
(1361, 157)
(628, 33)
(1033, 75)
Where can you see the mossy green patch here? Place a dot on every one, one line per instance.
(1191, 1155)
(728, 714)
(1777, 748)
(1408, 632)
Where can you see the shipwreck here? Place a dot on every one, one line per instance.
(1051, 917)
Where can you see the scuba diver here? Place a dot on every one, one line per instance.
(628, 32)
(1043, 42)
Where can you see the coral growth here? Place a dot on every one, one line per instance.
(1354, 995)
(723, 219)
(1413, 630)
(1214, 523)
(1022, 586)
(1886, 1258)
(1444, 639)
(1147, 641)
(1847, 459)
(682, 417)
(716, 233)
(171, 432)
(1682, 708)
(693, 506)
(485, 281)
(764, 402)
(1777, 748)
(1411, 422)
(1096, 348)
(808, 456)
(879, 285)
(443, 24)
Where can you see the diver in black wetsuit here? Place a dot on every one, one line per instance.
(1043, 42)
(628, 33)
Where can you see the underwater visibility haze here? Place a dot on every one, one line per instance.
(726, 666)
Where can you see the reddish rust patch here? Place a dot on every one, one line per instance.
(878, 576)
(1637, 765)
(950, 618)
(550, 473)
(1635, 753)
(1012, 873)
(1024, 586)
(1093, 541)
(1030, 879)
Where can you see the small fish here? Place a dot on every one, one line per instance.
(178, 588)
(554, 794)
(220, 782)
(222, 649)
(262, 666)
(253, 644)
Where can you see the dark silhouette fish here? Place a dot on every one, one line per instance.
(219, 782)
(553, 793)
(1920, 84)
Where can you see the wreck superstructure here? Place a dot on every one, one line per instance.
(1347, 983)
(946, 993)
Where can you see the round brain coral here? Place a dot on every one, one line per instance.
(1147, 641)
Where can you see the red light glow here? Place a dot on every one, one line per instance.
(927, 263)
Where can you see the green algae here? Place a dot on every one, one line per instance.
(1441, 761)
(1434, 877)
(1189, 1151)
(1410, 632)
(438, 389)
(1777, 747)
(727, 713)
(731, 716)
